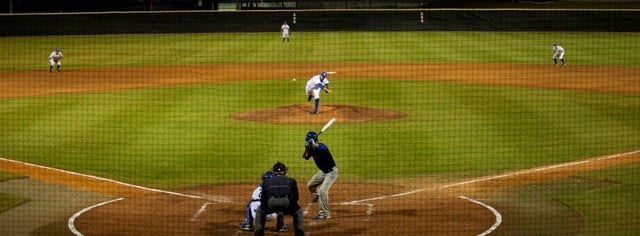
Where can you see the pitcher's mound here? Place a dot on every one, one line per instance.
(301, 114)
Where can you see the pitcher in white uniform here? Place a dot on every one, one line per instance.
(316, 84)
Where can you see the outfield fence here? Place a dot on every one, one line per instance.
(314, 20)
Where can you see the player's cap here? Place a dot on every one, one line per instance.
(57, 49)
(323, 74)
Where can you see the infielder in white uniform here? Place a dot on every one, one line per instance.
(284, 29)
(55, 58)
(314, 86)
(253, 206)
(558, 53)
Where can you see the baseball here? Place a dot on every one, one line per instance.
(294, 79)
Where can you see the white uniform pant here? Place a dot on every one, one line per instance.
(52, 63)
(314, 92)
(319, 185)
(558, 55)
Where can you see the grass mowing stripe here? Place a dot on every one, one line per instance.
(183, 135)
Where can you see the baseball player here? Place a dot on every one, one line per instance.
(55, 58)
(284, 29)
(314, 86)
(558, 53)
(327, 174)
(252, 208)
(280, 194)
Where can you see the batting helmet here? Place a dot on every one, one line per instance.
(311, 136)
(279, 168)
(267, 175)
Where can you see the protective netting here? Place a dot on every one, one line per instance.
(437, 132)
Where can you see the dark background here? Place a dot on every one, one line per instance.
(318, 20)
(31, 6)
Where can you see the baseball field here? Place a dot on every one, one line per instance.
(437, 133)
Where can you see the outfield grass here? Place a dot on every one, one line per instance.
(29, 53)
(183, 136)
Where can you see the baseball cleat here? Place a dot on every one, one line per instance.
(315, 198)
(245, 226)
(284, 228)
(321, 217)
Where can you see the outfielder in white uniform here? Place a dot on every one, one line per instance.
(316, 84)
(284, 29)
(253, 206)
(55, 58)
(558, 53)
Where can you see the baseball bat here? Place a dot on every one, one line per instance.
(327, 125)
(331, 72)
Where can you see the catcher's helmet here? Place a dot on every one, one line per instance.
(267, 175)
(279, 167)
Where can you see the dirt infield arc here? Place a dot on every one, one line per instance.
(217, 209)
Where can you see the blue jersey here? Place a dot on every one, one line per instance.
(323, 158)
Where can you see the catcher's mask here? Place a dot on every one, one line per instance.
(267, 175)
(279, 168)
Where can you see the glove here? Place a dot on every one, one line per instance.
(309, 143)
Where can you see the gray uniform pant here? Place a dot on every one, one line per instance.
(319, 185)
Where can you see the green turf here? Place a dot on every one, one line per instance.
(8, 200)
(29, 53)
(183, 136)
(168, 137)
(611, 210)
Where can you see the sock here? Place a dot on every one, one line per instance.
(555, 61)
(315, 110)
(50, 68)
(248, 217)
(279, 221)
(562, 60)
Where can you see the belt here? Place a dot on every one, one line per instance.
(329, 170)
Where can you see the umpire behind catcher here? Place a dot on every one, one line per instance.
(279, 194)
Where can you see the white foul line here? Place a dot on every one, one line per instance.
(102, 179)
(73, 218)
(539, 169)
(355, 202)
(494, 177)
(77, 214)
